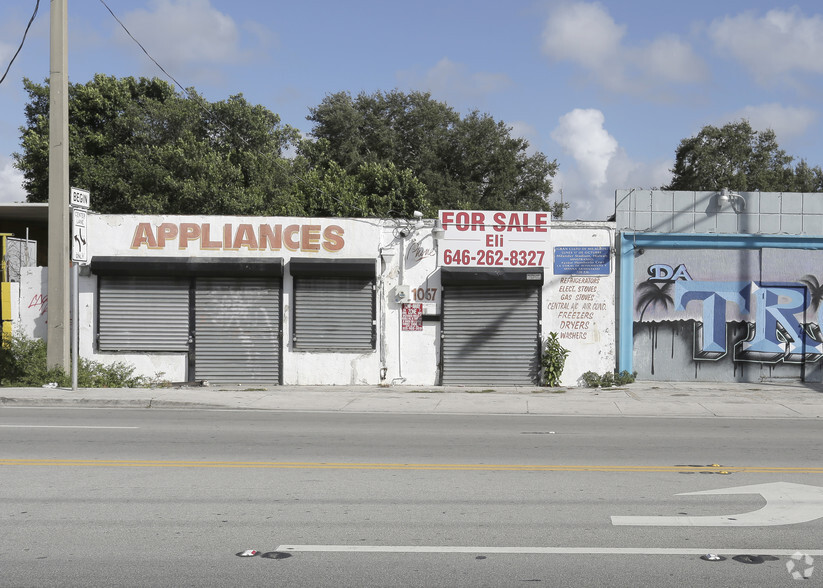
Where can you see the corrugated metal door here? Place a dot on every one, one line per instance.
(143, 314)
(237, 330)
(491, 334)
(334, 314)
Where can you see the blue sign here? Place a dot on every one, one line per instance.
(582, 261)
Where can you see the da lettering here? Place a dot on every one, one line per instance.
(660, 272)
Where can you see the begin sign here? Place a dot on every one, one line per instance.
(481, 238)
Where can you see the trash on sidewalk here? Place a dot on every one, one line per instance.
(248, 553)
(50, 385)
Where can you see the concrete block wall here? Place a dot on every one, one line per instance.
(764, 213)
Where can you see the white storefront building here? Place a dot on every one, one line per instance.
(464, 300)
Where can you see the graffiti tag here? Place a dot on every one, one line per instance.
(40, 301)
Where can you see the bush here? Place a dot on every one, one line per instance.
(591, 379)
(608, 379)
(624, 377)
(23, 362)
(553, 360)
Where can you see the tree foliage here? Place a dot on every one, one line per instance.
(469, 162)
(142, 147)
(739, 158)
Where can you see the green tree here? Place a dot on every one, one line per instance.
(739, 158)
(373, 189)
(469, 162)
(141, 147)
(807, 179)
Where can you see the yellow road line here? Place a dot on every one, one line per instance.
(403, 466)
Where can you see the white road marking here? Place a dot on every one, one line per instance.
(786, 504)
(540, 550)
(61, 427)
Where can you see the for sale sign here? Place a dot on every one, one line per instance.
(482, 238)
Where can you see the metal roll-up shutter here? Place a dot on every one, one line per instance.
(334, 313)
(142, 313)
(491, 334)
(237, 330)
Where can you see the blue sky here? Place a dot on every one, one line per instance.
(608, 89)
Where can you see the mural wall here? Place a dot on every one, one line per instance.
(728, 314)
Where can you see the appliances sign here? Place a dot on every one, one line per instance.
(478, 238)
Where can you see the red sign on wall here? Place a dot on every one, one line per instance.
(412, 316)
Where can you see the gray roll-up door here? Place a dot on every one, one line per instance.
(143, 313)
(491, 334)
(237, 330)
(334, 314)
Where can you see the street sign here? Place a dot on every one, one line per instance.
(79, 198)
(79, 236)
(786, 504)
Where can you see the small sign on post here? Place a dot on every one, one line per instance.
(79, 236)
(79, 198)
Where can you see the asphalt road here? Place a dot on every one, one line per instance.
(131, 497)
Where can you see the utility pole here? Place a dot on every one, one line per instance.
(58, 293)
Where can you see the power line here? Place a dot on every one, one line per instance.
(205, 109)
(28, 26)
(171, 77)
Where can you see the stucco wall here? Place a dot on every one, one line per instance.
(577, 302)
(722, 308)
(579, 305)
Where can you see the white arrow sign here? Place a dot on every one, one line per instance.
(786, 504)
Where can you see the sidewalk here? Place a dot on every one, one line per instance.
(640, 399)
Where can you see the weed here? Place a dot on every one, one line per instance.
(23, 362)
(608, 379)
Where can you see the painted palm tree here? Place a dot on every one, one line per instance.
(815, 290)
(651, 294)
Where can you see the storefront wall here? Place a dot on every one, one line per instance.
(720, 286)
(722, 308)
(579, 296)
(240, 239)
(405, 262)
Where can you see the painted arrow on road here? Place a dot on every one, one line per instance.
(786, 504)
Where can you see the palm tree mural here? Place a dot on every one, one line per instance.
(651, 294)
(815, 299)
(815, 290)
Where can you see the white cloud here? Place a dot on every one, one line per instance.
(776, 44)
(581, 134)
(585, 34)
(601, 166)
(671, 59)
(181, 33)
(786, 121)
(453, 81)
(11, 182)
